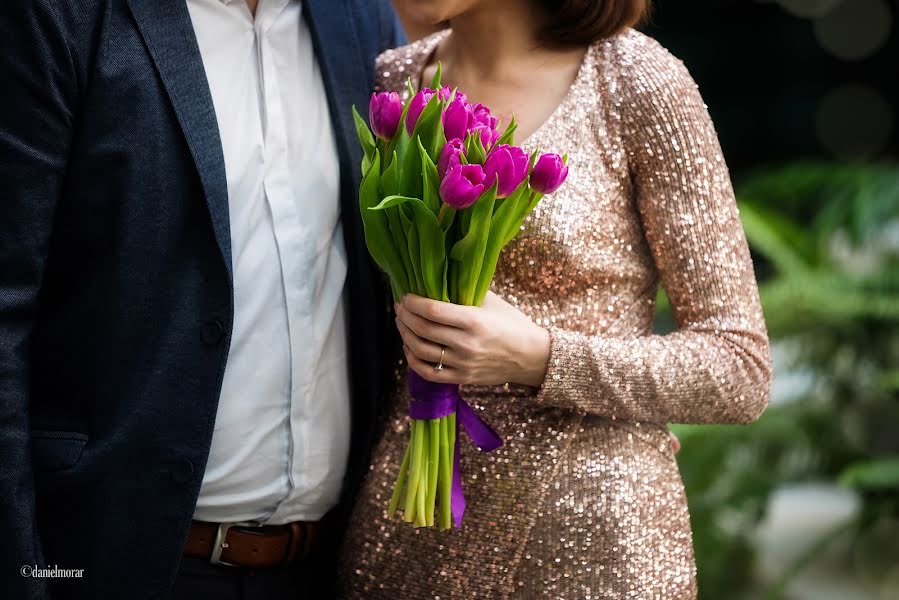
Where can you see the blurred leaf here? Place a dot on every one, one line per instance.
(889, 380)
(778, 239)
(875, 474)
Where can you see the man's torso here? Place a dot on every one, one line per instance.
(281, 434)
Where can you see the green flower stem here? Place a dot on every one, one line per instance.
(433, 470)
(420, 514)
(451, 438)
(445, 482)
(400, 482)
(415, 472)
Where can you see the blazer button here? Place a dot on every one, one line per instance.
(212, 332)
(181, 470)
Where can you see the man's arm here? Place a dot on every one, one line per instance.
(39, 90)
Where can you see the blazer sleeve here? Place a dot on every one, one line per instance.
(716, 368)
(38, 80)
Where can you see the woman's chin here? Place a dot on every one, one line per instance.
(434, 12)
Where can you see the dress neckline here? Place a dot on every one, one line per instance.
(428, 47)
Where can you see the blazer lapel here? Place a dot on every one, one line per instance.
(168, 33)
(347, 78)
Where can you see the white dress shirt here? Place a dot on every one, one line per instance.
(281, 436)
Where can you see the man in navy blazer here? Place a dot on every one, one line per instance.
(117, 299)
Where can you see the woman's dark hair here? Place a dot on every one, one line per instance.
(582, 22)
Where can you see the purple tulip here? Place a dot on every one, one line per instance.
(483, 116)
(509, 165)
(462, 186)
(446, 92)
(416, 106)
(450, 156)
(484, 124)
(456, 119)
(384, 112)
(488, 136)
(548, 174)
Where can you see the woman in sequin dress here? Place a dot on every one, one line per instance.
(584, 500)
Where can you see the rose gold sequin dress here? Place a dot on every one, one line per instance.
(585, 500)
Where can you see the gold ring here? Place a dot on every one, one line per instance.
(439, 366)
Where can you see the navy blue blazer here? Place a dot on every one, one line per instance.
(116, 297)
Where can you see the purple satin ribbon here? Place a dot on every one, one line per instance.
(435, 400)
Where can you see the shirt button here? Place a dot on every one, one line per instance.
(212, 332)
(181, 470)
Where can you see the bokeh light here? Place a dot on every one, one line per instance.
(856, 29)
(809, 9)
(854, 121)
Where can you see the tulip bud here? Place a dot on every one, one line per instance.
(508, 165)
(462, 186)
(446, 92)
(488, 136)
(384, 112)
(548, 174)
(416, 106)
(456, 119)
(483, 116)
(450, 156)
(484, 124)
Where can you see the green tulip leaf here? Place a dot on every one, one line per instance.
(435, 81)
(401, 242)
(390, 202)
(430, 181)
(429, 127)
(424, 230)
(366, 140)
(400, 141)
(390, 179)
(526, 208)
(505, 218)
(446, 216)
(469, 251)
(410, 176)
(414, 252)
(508, 135)
(378, 237)
(432, 242)
(474, 149)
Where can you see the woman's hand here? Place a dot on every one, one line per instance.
(492, 344)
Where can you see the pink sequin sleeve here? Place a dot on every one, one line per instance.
(716, 368)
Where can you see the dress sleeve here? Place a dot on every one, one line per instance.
(716, 368)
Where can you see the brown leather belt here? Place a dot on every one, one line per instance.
(251, 545)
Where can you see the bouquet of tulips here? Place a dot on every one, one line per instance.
(443, 191)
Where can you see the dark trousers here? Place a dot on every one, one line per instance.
(199, 580)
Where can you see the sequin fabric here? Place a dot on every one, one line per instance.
(584, 500)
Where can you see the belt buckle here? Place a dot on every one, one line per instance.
(220, 544)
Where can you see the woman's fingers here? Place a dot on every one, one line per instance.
(429, 372)
(431, 331)
(444, 313)
(424, 349)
